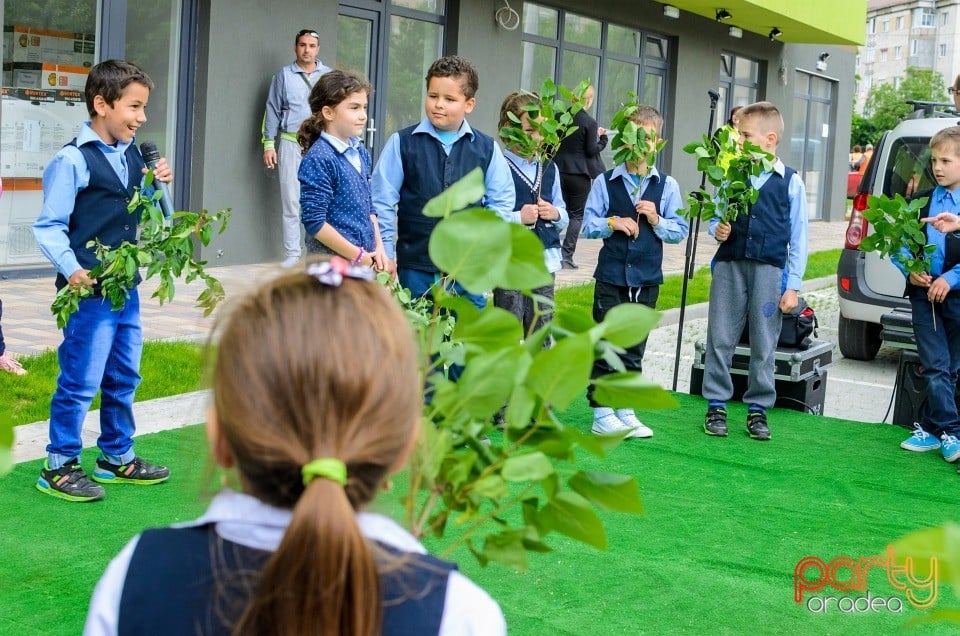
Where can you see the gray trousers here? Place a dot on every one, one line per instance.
(288, 159)
(521, 306)
(743, 292)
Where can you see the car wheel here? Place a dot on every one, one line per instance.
(859, 340)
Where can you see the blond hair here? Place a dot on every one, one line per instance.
(304, 371)
(647, 115)
(767, 116)
(514, 103)
(948, 136)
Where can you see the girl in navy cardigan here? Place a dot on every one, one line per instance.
(335, 204)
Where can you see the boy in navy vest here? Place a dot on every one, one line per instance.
(421, 161)
(86, 188)
(748, 277)
(539, 202)
(935, 301)
(633, 208)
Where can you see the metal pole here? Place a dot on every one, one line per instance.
(691, 246)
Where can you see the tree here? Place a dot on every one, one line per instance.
(886, 106)
(863, 131)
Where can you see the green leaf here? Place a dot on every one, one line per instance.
(506, 548)
(460, 246)
(560, 374)
(487, 382)
(628, 324)
(525, 269)
(631, 390)
(530, 467)
(941, 543)
(465, 192)
(570, 514)
(492, 486)
(492, 329)
(608, 491)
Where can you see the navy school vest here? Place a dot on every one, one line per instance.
(100, 209)
(527, 193)
(186, 581)
(626, 261)
(763, 234)
(951, 256)
(428, 171)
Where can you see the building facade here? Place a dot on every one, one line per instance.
(212, 61)
(901, 34)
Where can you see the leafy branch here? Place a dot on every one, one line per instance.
(634, 144)
(728, 167)
(165, 249)
(502, 494)
(549, 120)
(898, 232)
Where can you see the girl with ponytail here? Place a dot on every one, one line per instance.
(335, 202)
(315, 405)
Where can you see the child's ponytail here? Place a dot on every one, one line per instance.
(322, 579)
(299, 382)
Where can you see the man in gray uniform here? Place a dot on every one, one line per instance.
(287, 108)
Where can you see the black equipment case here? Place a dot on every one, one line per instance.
(800, 375)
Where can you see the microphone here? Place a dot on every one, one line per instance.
(151, 155)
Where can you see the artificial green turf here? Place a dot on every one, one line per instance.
(726, 522)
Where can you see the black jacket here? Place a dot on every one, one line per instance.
(580, 152)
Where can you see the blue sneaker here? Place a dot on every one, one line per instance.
(950, 447)
(921, 441)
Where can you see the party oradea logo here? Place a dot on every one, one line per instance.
(842, 584)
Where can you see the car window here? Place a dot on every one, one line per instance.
(908, 167)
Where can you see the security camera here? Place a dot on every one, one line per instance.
(823, 56)
(822, 61)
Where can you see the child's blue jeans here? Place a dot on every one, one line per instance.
(939, 352)
(100, 350)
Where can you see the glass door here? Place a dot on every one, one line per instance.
(809, 141)
(393, 43)
(358, 49)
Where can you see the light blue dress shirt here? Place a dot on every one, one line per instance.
(288, 103)
(797, 193)
(941, 200)
(552, 256)
(349, 150)
(672, 228)
(388, 179)
(65, 176)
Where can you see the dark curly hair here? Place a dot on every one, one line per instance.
(459, 68)
(332, 88)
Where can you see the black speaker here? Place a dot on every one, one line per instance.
(911, 391)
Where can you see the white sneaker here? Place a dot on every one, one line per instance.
(628, 417)
(606, 423)
(290, 261)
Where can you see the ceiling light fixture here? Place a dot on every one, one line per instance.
(735, 32)
(671, 11)
(723, 14)
(774, 33)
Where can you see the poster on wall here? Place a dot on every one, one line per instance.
(43, 107)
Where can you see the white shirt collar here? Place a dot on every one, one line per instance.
(246, 520)
(339, 145)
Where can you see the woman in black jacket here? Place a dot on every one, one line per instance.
(579, 163)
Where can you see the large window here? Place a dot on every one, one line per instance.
(739, 83)
(570, 47)
(49, 47)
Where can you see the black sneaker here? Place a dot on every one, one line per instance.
(69, 482)
(757, 425)
(716, 421)
(139, 471)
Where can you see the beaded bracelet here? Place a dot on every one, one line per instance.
(356, 261)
